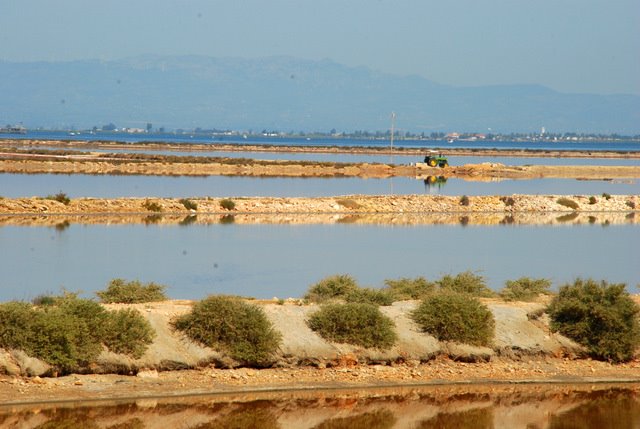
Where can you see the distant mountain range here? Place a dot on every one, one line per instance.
(287, 94)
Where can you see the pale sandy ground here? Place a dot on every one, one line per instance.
(482, 208)
(523, 351)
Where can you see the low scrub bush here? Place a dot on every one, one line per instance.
(631, 204)
(464, 200)
(344, 287)
(354, 323)
(227, 204)
(600, 316)
(370, 296)
(60, 197)
(466, 282)
(69, 333)
(451, 316)
(568, 203)
(525, 289)
(508, 201)
(121, 291)
(152, 206)
(188, 204)
(230, 324)
(128, 333)
(338, 286)
(592, 200)
(348, 203)
(406, 288)
(606, 196)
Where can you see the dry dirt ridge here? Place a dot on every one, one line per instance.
(524, 352)
(519, 332)
(143, 164)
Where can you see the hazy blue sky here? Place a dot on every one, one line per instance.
(569, 45)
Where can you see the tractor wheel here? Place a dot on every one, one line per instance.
(444, 164)
(432, 162)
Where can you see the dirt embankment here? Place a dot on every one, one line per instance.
(524, 350)
(145, 164)
(368, 150)
(343, 204)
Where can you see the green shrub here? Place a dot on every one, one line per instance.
(464, 200)
(152, 206)
(354, 323)
(228, 323)
(592, 200)
(188, 204)
(60, 197)
(370, 296)
(62, 340)
(451, 316)
(128, 332)
(121, 291)
(68, 332)
(568, 203)
(227, 204)
(349, 203)
(338, 286)
(600, 316)
(406, 288)
(606, 196)
(466, 282)
(631, 204)
(508, 201)
(524, 289)
(16, 319)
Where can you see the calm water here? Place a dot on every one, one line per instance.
(283, 260)
(186, 138)
(100, 186)
(372, 158)
(546, 407)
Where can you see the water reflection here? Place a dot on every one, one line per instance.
(98, 186)
(281, 256)
(539, 407)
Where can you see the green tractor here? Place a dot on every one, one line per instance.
(436, 159)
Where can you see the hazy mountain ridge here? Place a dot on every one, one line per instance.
(287, 94)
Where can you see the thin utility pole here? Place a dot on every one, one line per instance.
(393, 127)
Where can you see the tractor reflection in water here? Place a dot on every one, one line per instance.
(434, 183)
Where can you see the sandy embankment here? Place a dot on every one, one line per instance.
(523, 351)
(40, 161)
(359, 209)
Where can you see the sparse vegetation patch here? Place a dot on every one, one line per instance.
(348, 203)
(60, 197)
(451, 316)
(69, 332)
(406, 288)
(600, 316)
(152, 206)
(568, 203)
(354, 323)
(466, 282)
(525, 289)
(232, 325)
(121, 291)
(227, 204)
(188, 204)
